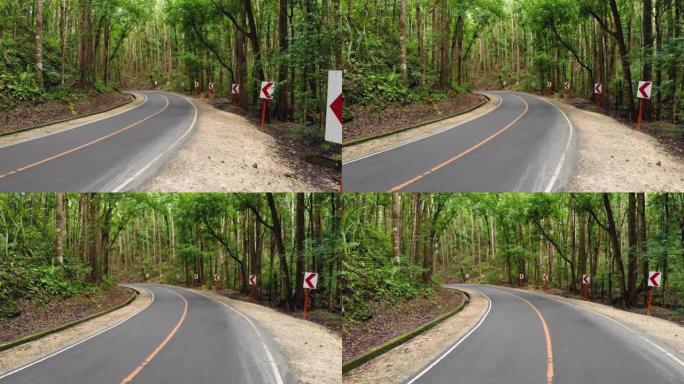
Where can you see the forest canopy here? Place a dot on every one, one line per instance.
(62, 244)
(401, 245)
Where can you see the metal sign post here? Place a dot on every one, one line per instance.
(266, 94)
(653, 282)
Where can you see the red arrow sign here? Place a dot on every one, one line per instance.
(266, 90)
(310, 280)
(644, 89)
(336, 107)
(654, 279)
(252, 279)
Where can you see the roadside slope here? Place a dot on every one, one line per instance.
(614, 157)
(398, 364)
(26, 353)
(227, 153)
(314, 353)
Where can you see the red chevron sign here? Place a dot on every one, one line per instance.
(333, 115)
(235, 89)
(585, 279)
(310, 280)
(654, 279)
(266, 90)
(645, 89)
(252, 279)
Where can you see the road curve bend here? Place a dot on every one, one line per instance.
(525, 338)
(181, 337)
(525, 144)
(114, 154)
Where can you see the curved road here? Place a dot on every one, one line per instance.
(524, 144)
(525, 339)
(181, 337)
(109, 155)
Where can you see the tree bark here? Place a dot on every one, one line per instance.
(395, 229)
(39, 43)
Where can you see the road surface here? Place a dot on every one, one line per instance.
(205, 343)
(526, 339)
(524, 144)
(109, 155)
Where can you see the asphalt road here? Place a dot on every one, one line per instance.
(211, 344)
(109, 155)
(525, 144)
(510, 346)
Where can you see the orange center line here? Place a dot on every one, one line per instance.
(451, 160)
(154, 353)
(547, 335)
(57, 156)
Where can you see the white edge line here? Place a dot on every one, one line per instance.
(549, 187)
(489, 307)
(271, 360)
(426, 136)
(69, 129)
(82, 341)
(146, 167)
(666, 352)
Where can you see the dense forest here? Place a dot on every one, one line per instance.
(411, 50)
(401, 245)
(62, 244)
(59, 49)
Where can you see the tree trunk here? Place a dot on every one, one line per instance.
(280, 248)
(647, 33)
(617, 254)
(59, 228)
(39, 43)
(395, 229)
(283, 111)
(402, 42)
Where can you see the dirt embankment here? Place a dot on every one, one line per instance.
(300, 341)
(391, 320)
(59, 127)
(27, 115)
(228, 153)
(614, 157)
(379, 144)
(372, 119)
(664, 331)
(16, 357)
(398, 364)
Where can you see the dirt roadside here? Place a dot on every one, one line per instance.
(290, 333)
(369, 147)
(26, 353)
(660, 330)
(614, 157)
(59, 127)
(226, 153)
(400, 363)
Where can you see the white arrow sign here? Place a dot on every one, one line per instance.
(598, 87)
(566, 86)
(235, 89)
(217, 277)
(522, 276)
(310, 280)
(195, 276)
(333, 115)
(654, 279)
(252, 279)
(586, 279)
(546, 277)
(266, 90)
(644, 89)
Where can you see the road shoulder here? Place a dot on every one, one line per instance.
(358, 151)
(615, 157)
(660, 330)
(299, 341)
(47, 130)
(21, 355)
(227, 153)
(400, 363)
